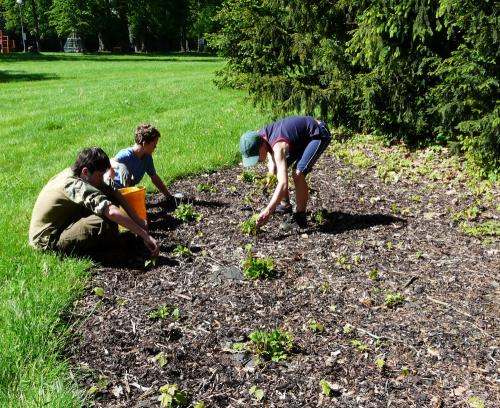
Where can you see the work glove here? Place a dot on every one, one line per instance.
(123, 173)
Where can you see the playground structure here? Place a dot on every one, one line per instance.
(6, 45)
(73, 44)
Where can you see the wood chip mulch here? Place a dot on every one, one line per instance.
(439, 347)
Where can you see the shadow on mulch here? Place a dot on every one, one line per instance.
(339, 222)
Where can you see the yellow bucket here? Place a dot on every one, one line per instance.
(136, 198)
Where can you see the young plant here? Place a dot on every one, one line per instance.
(161, 313)
(98, 291)
(322, 216)
(347, 329)
(373, 274)
(160, 359)
(393, 299)
(257, 267)
(181, 250)
(151, 263)
(165, 311)
(342, 261)
(326, 387)
(267, 183)
(380, 363)
(171, 396)
(185, 212)
(272, 346)
(206, 188)
(359, 345)
(257, 393)
(249, 226)
(315, 326)
(248, 176)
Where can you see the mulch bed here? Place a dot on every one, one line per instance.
(439, 346)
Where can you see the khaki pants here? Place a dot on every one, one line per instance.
(89, 233)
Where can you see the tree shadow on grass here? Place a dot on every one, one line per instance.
(118, 57)
(21, 76)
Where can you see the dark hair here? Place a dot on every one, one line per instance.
(146, 133)
(93, 158)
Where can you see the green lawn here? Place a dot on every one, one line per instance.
(52, 106)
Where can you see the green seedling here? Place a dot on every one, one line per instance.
(405, 371)
(373, 274)
(98, 291)
(176, 313)
(359, 345)
(326, 387)
(324, 288)
(322, 216)
(101, 384)
(161, 313)
(257, 267)
(267, 183)
(467, 214)
(185, 212)
(238, 347)
(165, 311)
(248, 200)
(273, 346)
(249, 226)
(171, 396)
(417, 198)
(315, 326)
(342, 262)
(199, 404)
(393, 299)
(248, 176)
(206, 188)
(232, 189)
(380, 363)
(488, 228)
(151, 263)
(347, 329)
(181, 250)
(475, 402)
(389, 245)
(257, 393)
(160, 359)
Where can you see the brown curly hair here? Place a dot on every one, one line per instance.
(146, 133)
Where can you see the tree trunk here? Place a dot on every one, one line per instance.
(102, 47)
(35, 23)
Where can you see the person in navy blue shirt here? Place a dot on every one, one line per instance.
(296, 141)
(132, 163)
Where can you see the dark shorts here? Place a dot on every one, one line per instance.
(305, 159)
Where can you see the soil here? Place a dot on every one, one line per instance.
(438, 347)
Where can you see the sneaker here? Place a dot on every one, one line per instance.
(282, 209)
(295, 222)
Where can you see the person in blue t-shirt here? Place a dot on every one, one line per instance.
(296, 141)
(132, 163)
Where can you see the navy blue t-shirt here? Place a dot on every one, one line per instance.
(297, 131)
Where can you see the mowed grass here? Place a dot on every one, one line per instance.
(52, 106)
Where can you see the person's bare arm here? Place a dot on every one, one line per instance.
(129, 210)
(113, 213)
(158, 182)
(279, 154)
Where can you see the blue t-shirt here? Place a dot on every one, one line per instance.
(137, 167)
(297, 131)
